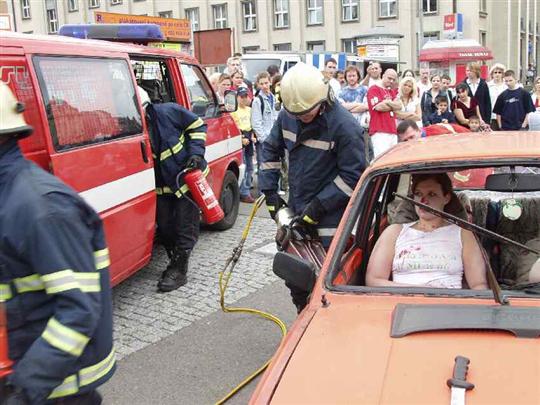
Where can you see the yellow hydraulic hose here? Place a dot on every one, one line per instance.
(224, 278)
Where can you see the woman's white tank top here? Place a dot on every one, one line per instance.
(431, 259)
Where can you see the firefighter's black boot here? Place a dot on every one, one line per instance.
(175, 275)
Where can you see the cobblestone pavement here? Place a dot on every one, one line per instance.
(143, 316)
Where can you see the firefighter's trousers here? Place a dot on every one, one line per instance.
(178, 222)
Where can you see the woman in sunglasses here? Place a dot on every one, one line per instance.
(496, 86)
(465, 106)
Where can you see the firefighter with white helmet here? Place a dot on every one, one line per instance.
(54, 278)
(326, 156)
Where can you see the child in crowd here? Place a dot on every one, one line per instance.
(242, 118)
(513, 105)
(475, 124)
(442, 115)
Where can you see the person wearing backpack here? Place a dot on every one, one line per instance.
(263, 113)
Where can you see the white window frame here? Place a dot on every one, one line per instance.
(249, 14)
(116, 2)
(25, 10)
(73, 5)
(384, 8)
(192, 14)
(166, 14)
(347, 10)
(93, 3)
(310, 46)
(427, 10)
(348, 45)
(219, 14)
(315, 12)
(52, 21)
(281, 13)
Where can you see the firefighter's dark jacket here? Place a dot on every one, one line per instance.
(176, 134)
(326, 159)
(54, 275)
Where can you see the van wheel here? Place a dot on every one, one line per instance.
(229, 201)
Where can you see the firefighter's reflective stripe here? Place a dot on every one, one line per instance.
(317, 144)
(64, 338)
(271, 208)
(28, 283)
(198, 135)
(307, 219)
(88, 282)
(86, 376)
(326, 231)
(174, 150)
(5, 292)
(338, 181)
(101, 258)
(59, 281)
(183, 190)
(195, 124)
(291, 136)
(270, 165)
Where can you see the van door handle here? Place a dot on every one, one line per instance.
(144, 153)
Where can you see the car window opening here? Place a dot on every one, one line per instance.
(512, 214)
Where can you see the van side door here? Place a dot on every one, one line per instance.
(100, 148)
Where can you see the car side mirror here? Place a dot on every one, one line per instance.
(294, 270)
(230, 102)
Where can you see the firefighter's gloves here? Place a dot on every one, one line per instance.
(195, 162)
(15, 396)
(312, 214)
(274, 202)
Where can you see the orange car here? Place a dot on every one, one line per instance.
(355, 344)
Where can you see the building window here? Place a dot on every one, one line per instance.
(165, 14)
(192, 14)
(253, 48)
(429, 6)
(314, 12)
(52, 21)
(283, 47)
(250, 15)
(483, 38)
(73, 5)
(387, 8)
(25, 9)
(349, 45)
(430, 36)
(219, 12)
(93, 3)
(115, 2)
(349, 10)
(281, 13)
(315, 46)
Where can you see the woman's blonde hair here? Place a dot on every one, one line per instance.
(475, 67)
(498, 66)
(412, 82)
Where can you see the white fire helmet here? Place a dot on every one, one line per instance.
(11, 119)
(303, 88)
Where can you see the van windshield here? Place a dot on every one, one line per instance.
(256, 66)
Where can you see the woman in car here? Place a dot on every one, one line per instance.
(429, 252)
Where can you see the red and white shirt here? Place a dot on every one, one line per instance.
(380, 121)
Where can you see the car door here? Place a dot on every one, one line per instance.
(99, 147)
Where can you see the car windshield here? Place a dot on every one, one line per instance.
(392, 247)
(256, 66)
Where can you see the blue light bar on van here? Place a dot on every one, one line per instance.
(138, 33)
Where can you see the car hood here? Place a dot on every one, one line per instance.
(346, 355)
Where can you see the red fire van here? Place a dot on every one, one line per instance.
(89, 130)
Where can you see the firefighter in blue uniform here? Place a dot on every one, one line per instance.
(326, 159)
(178, 140)
(54, 277)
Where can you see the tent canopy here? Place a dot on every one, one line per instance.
(454, 50)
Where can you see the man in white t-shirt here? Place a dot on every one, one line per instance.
(330, 67)
(374, 71)
(423, 84)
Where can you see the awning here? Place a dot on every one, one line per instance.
(456, 50)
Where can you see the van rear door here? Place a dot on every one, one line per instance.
(99, 147)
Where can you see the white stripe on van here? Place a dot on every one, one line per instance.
(109, 195)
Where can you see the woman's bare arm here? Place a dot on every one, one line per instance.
(474, 265)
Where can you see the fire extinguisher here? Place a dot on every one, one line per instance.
(203, 195)
(5, 362)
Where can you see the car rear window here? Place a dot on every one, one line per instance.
(88, 100)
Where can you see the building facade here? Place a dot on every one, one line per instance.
(510, 28)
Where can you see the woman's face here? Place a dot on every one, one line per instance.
(238, 80)
(430, 192)
(462, 94)
(408, 73)
(436, 83)
(406, 89)
(537, 86)
(351, 77)
(471, 74)
(224, 86)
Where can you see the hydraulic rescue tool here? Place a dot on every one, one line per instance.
(5, 362)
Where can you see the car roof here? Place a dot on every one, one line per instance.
(43, 44)
(465, 146)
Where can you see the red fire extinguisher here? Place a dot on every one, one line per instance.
(204, 196)
(5, 362)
